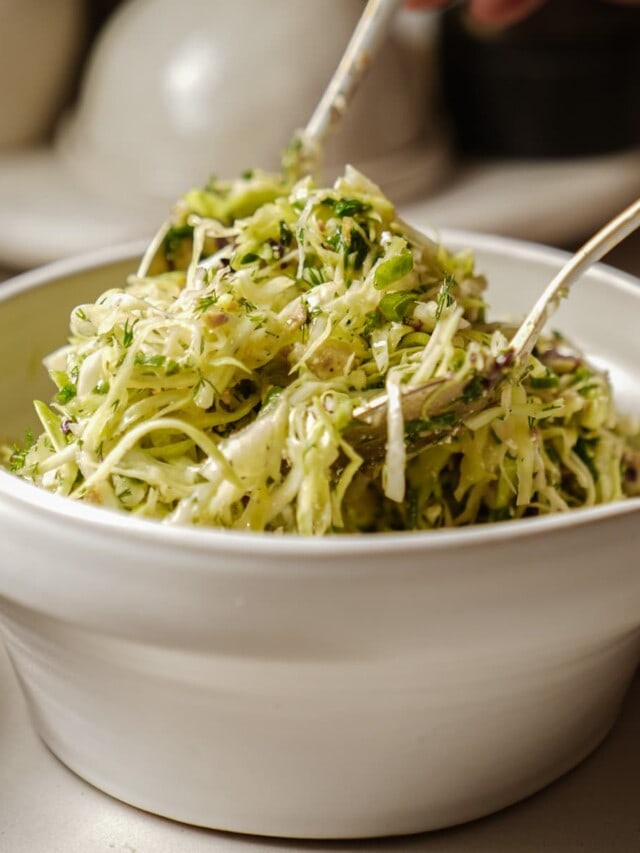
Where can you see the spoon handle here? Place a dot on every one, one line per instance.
(593, 250)
(367, 37)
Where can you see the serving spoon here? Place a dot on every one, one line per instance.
(369, 34)
(442, 399)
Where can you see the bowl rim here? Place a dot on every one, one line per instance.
(57, 508)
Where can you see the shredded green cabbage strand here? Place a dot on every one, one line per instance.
(217, 387)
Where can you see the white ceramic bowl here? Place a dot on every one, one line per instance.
(336, 687)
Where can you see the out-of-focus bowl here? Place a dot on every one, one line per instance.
(335, 687)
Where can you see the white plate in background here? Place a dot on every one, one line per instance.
(549, 201)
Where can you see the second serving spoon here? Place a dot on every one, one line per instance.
(445, 396)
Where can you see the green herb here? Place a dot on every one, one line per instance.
(102, 387)
(501, 513)
(149, 360)
(314, 276)
(337, 242)
(583, 448)
(66, 393)
(19, 454)
(581, 373)
(473, 390)
(127, 333)
(550, 380)
(170, 365)
(202, 381)
(495, 437)
(372, 320)
(286, 234)
(248, 306)
(358, 249)
(206, 302)
(173, 241)
(249, 258)
(444, 299)
(412, 504)
(350, 207)
(584, 391)
(414, 427)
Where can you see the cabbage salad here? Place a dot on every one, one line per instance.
(218, 385)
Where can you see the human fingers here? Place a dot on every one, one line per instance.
(490, 11)
(503, 11)
(427, 4)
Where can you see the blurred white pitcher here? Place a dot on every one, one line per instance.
(178, 88)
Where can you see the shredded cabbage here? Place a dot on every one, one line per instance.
(218, 385)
